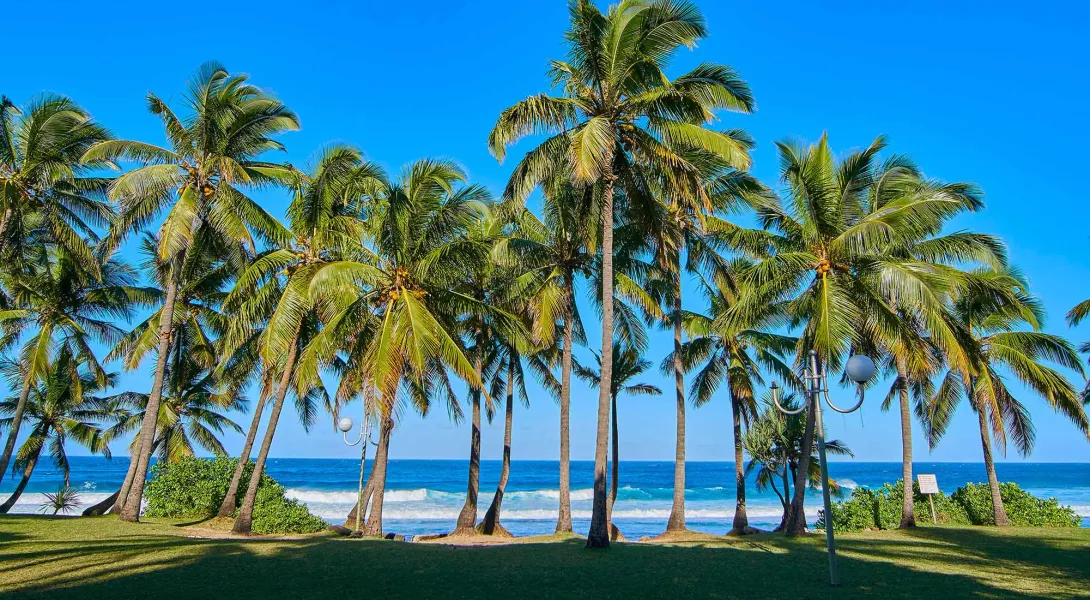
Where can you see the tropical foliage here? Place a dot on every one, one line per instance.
(420, 289)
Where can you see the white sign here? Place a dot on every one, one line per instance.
(928, 484)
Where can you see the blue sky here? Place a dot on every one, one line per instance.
(991, 93)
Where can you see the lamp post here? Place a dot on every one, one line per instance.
(345, 425)
(860, 369)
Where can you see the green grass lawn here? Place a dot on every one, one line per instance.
(104, 558)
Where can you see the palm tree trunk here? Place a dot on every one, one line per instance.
(365, 498)
(16, 421)
(126, 485)
(4, 508)
(374, 519)
(740, 526)
(491, 524)
(677, 510)
(615, 472)
(998, 510)
(130, 507)
(598, 536)
(230, 501)
(244, 521)
(563, 521)
(4, 229)
(796, 516)
(467, 518)
(908, 510)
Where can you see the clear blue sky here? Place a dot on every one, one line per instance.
(992, 93)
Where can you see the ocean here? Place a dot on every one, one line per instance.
(424, 496)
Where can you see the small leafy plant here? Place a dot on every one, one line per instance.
(64, 500)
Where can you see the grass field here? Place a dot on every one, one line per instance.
(104, 558)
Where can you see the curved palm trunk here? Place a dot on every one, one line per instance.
(563, 521)
(119, 498)
(908, 509)
(740, 526)
(795, 524)
(677, 510)
(16, 421)
(614, 474)
(365, 497)
(598, 536)
(998, 510)
(130, 508)
(244, 521)
(374, 518)
(6, 506)
(230, 500)
(467, 518)
(787, 477)
(491, 524)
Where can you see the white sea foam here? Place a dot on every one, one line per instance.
(30, 503)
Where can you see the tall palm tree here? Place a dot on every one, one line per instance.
(59, 410)
(275, 293)
(214, 150)
(995, 325)
(396, 329)
(485, 283)
(829, 259)
(897, 182)
(553, 253)
(679, 224)
(618, 109)
(773, 441)
(628, 364)
(59, 305)
(43, 183)
(729, 354)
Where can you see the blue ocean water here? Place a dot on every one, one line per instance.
(424, 496)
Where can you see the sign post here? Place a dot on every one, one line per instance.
(929, 485)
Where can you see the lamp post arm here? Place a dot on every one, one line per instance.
(825, 390)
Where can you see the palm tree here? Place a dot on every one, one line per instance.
(191, 415)
(59, 410)
(628, 364)
(617, 109)
(506, 373)
(679, 224)
(898, 182)
(43, 184)
(552, 253)
(773, 441)
(59, 306)
(828, 257)
(485, 284)
(213, 150)
(729, 354)
(994, 324)
(1074, 317)
(275, 294)
(395, 334)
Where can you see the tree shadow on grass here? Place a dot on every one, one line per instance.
(882, 566)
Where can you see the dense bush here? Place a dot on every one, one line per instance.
(1023, 509)
(881, 509)
(195, 487)
(274, 513)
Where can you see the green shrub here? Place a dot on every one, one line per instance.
(1023, 509)
(274, 513)
(194, 488)
(881, 509)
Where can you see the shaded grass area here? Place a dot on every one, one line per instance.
(103, 557)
